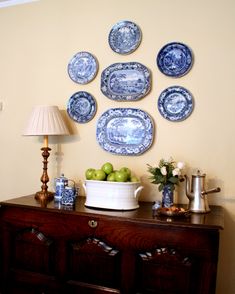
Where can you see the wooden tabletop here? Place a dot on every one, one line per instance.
(211, 220)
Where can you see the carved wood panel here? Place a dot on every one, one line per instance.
(93, 261)
(33, 251)
(164, 270)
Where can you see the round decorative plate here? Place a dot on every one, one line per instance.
(81, 107)
(175, 59)
(124, 37)
(175, 103)
(83, 67)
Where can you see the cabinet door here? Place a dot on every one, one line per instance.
(93, 267)
(29, 262)
(164, 270)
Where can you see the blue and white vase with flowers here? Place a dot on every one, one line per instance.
(167, 175)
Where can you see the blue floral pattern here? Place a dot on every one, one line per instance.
(125, 131)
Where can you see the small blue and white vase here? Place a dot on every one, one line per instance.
(68, 196)
(167, 196)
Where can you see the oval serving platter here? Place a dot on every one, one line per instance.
(126, 81)
(175, 103)
(125, 131)
(125, 37)
(82, 68)
(175, 59)
(81, 107)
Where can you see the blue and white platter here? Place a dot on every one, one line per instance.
(175, 59)
(124, 37)
(175, 103)
(81, 107)
(126, 81)
(125, 131)
(83, 67)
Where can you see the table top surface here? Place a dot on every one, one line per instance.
(144, 214)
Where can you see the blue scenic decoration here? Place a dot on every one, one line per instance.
(175, 59)
(125, 131)
(175, 103)
(124, 37)
(81, 107)
(83, 67)
(126, 81)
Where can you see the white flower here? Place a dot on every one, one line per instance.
(180, 165)
(163, 171)
(176, 172)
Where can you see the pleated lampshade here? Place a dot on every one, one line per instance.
(45, 120)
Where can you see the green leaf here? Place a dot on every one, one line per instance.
(173, 180)
(160, 187)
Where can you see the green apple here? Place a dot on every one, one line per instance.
(99, 175)
(111, 177)
(127, 171)
(121, 176)
(134, 179)
(107, 168)
(89, 173)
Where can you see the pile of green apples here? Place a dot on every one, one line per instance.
(107, 173)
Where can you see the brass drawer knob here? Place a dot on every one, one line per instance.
(92, 223)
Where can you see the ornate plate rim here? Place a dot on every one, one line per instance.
(119, 66)
(87, 79)
(119, 24)
(83, 119)
(167, 72)
(122, 112)
(175, 117)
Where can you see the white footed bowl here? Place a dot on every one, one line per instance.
(112, 195)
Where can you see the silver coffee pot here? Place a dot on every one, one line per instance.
(197, 195)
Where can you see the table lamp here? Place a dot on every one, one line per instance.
(45, 120)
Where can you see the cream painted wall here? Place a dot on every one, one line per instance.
(36, 42)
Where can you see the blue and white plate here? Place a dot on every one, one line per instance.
(175, 59)
(124, 37)
(81, 107)
(175, 103)
(83, 67)
(126, 81)
(125, 131)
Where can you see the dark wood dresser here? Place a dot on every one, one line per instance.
(82, 250)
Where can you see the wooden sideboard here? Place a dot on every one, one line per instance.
(82, 250)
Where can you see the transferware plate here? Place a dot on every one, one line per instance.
(124, 37)
(125, 131)
(126, 81)
(175, 59)
(81, 107)
(175, 103)
(83, 67)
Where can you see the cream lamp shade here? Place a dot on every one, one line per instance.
(45, 120)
